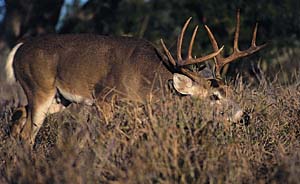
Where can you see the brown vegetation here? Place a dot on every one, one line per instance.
(173, 141)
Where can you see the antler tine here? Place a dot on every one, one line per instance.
(219, 58)
(212, 38)
(169, 55)
(192, 43)
(253, 42)
(180, 39)
(237, 32)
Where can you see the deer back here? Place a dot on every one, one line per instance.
(86, 65)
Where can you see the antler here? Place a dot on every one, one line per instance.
(220, 61)
(189, 59)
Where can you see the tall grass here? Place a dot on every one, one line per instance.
(175, 140)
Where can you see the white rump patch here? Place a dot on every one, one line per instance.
(10, 75)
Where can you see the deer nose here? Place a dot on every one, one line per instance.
(245, 119)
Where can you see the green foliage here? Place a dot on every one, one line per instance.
(155, 19)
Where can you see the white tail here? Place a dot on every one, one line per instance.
(10, 75)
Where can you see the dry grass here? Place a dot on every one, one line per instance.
(172, 141)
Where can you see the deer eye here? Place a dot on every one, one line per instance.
(214, 97)
(214, 83)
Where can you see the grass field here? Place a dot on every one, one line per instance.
(175, 140)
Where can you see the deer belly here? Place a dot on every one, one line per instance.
(75, 97)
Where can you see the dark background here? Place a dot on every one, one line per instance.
(279, 24)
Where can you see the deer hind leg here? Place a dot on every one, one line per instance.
(18, 120)
(38, 107)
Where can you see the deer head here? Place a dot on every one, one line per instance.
(191, 83)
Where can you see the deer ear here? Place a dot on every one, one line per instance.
(183, 84)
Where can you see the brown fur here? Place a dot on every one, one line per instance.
(88, 66)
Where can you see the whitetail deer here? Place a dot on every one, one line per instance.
(85, 67)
